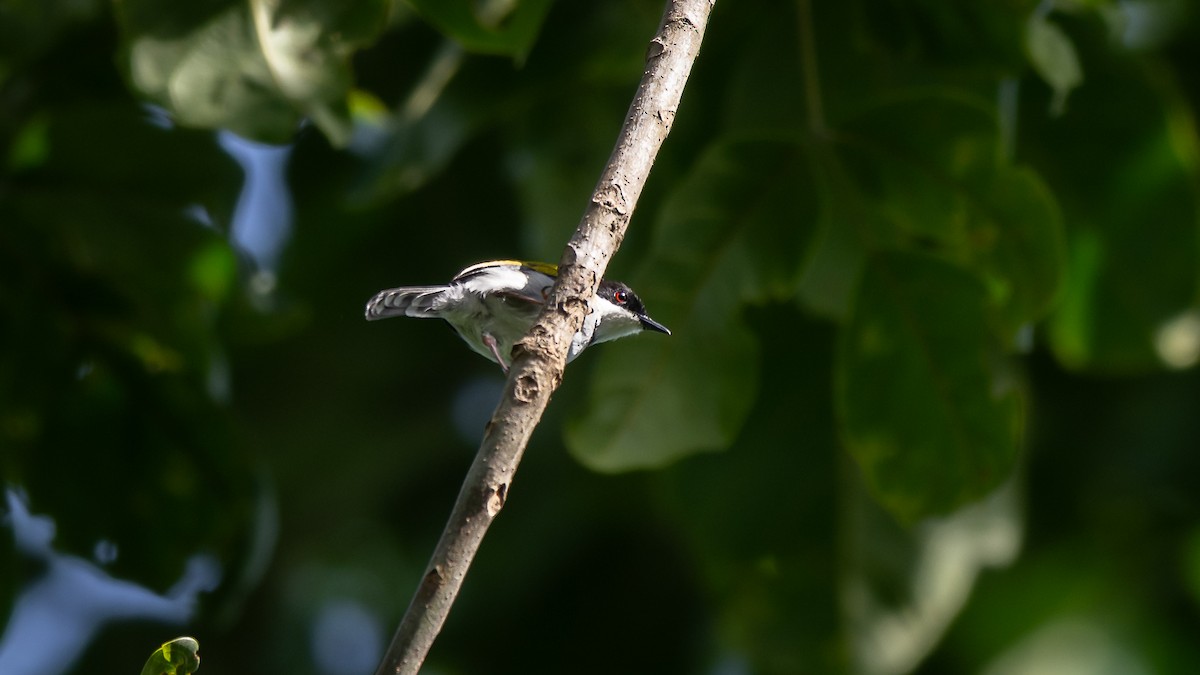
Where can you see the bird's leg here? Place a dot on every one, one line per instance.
(495, 347)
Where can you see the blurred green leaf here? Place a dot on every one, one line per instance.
(928, 408)
(177, 657)
(929, 167)
(214, 271)
(30, 147)
(255, 68)
(733, 233)
(1122, 163)
(491, 27)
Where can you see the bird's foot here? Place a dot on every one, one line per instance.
(495, 349)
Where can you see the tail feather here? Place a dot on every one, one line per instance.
(417, 301)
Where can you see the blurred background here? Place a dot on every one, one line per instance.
(930, 404)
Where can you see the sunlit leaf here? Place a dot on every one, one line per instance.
(256, 68)
(928, 408)
(180, 656)
(733, 233)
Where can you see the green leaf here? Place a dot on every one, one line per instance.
(733, 233)
(1131, 207)
(929, 171)
(490, 28)
(257, 68)
(927, 406)
(1020, 246)
(30, 146)
(178, 657)
(213, 271)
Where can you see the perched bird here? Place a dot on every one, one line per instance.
(493, 304)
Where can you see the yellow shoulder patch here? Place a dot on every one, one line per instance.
(548, 269)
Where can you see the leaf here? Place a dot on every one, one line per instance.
(30, 146)
(1122, 162)
(1053, 56)
(928, 169)
(1025, 259)
(479, 28)
(178, 657)
(213, 272)
(256, 68)
(927, 407)
(733, 233)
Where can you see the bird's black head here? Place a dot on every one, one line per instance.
(623, 296)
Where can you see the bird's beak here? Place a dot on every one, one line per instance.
(651, 324)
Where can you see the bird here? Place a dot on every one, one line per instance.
(493, 304)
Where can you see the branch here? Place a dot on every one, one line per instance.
(540, 357)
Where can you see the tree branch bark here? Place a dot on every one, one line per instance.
(540, 357)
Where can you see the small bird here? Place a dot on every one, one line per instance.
(492, 305)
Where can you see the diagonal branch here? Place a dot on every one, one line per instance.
(539, 358)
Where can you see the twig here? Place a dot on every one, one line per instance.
(540, 357)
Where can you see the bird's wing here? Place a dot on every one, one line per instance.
(516, 280)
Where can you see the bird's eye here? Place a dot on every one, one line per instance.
(621, 297)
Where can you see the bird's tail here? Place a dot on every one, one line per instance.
(415, 301)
